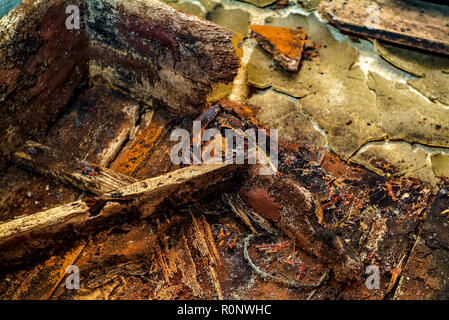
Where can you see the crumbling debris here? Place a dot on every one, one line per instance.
(390, 191)
(246, 213)
(328, 213)
(145, 195)
(267, 276)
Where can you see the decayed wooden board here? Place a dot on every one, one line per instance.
(33, 92)
(146, 49)
(411, 23)
(81, 174)
(143, 197)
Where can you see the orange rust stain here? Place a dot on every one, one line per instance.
(390, 191)
(237, 41)
(241, 110)
(129, 162)
(289, 42)
(337, 168)
(395, 273)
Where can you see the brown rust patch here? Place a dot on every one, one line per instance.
(266, 206)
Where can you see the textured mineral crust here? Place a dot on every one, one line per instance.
(432, 70)
(277, 110)
(235, 19)
(309, 5)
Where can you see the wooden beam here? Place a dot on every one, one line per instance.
(410, 23)
(78, 173)
(42, 221)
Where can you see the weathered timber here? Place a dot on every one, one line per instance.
(159, 55)
(78, 173)
(150, 51)
(410, 23)
(43, 221)
(286, 45)
(23, 235)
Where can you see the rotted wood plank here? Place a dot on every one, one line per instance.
(78, 173)
(247, 214)
(411, 23)
(43, 222)
(159, 55)
(144, 197)
(181, 181)
(33, 92)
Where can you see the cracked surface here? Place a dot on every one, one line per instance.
(277, 110)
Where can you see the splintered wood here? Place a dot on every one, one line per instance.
(144, 196)
(172, 258)
(79, 173)
(136, 51)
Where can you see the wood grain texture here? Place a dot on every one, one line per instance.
(41, 230)
(78, 173)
